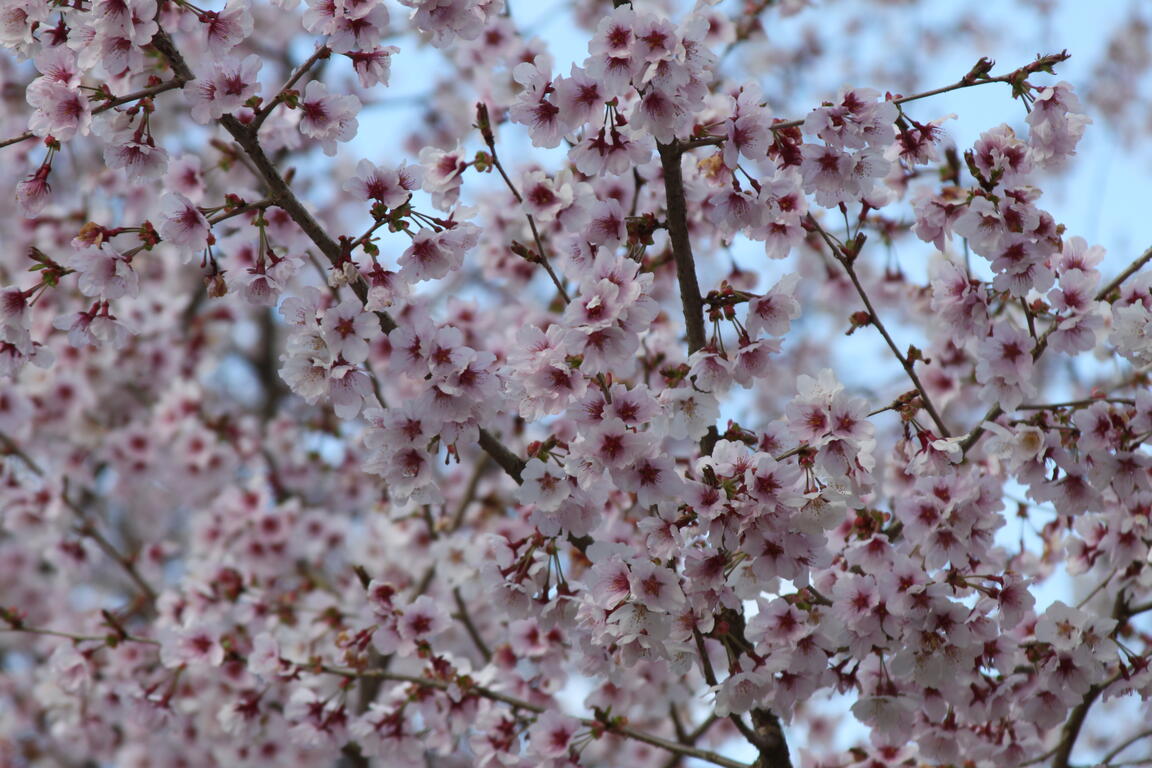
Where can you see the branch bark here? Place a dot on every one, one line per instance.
(670, 156)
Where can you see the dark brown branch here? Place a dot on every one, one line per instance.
(772, 742)
(512, 464)
(143, 93)
(1071, 731)
(489, 137)
(1075, 721)
(670, 155)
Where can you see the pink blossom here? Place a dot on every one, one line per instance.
(34, 192)
(61, 110)
(226, 29)
(1005, 365)
(192, 645)
(184, 225)
(345, 327)
(326, 117)
(390, 187)
(374, 66)
(774, 311)
(231, 84)
(442, 177)
(552, 733)
(422, 620)
(104, 272)
(433, 255)
(534, 107)
(1056, 124)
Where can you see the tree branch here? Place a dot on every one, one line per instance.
(492, 695)
(489, 137)
(968, 81)
(87, 527)
(1131, 269)
(466, 619)
(691, 738)
(670, 155)
(1114, 753)
(1075, 722)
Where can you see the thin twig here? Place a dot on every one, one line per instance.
(715, 141)
(1084, 403)
(1131, 269)
(490, 140)
(466, 619)
(14, 625)
(677, 206)
(87, 527)
(691, 738)
(322, 52)
(1108, 758)
(906, 363)
(240, 210)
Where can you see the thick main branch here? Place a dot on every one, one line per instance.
(670, 155)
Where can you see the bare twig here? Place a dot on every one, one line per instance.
(1114, 753)
(715, 141)
(691, 738)
(470, 626)
(490, 140)
(322, 52)
(1131, 269)
(908, 364)
(1084, 403)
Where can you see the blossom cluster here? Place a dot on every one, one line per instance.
(471, 453)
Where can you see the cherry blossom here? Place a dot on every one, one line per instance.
(327, 117)
(630, 396)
